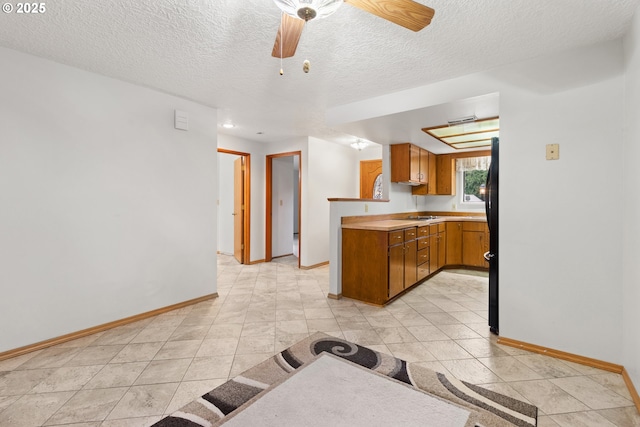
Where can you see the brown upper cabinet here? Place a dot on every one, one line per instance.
(409, 164)
(446, 175)
(423, 170)
(430, 188)
(428, 173)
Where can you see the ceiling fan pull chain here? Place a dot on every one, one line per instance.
(281, 42)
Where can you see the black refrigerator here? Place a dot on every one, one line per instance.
(491, 206)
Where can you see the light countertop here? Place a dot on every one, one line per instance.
(399, 224)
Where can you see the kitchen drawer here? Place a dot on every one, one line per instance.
(409, 234)
(396, 237)
(423, 270)
(441, 227)
(423, 256)
(423, 243)
(474, 226)
(433, 229)
(423, 231)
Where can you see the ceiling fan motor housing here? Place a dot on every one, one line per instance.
(307, 13)
(308, 9)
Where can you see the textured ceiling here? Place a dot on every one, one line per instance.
(218, 52)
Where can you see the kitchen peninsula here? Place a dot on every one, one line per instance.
(384, 256)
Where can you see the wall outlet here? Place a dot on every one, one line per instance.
(453, 206)
(366, 207)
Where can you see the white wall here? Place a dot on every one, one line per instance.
(282, 206)
(559, 288)
(107, 210)
(371, 152)
(226, 202)
(257, 188)
(331, 174)
(561, 257)
(631, 205)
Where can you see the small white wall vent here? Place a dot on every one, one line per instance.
(181, 120)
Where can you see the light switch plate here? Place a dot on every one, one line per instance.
(553, 151)
(181, 120)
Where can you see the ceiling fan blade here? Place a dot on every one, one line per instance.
(406, 13)
(287, 37)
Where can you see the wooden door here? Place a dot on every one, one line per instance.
(238, 209)
(369, 171)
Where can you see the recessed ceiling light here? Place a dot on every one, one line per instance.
(228, 125)
(259, 133)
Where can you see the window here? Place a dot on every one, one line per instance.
(474, 177)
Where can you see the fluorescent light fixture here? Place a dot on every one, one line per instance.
(461, 120)
(466, 132)
(228, 125)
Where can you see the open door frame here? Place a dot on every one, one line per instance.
(269, 214)
(247, 203)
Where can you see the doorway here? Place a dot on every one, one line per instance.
(234, 204)
(283, 205)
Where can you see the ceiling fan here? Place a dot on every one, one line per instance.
(406, 13)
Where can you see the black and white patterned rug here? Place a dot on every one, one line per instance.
(486, 408)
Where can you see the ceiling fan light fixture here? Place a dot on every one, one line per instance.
(308, 9)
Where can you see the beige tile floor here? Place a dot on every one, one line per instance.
(134, 374)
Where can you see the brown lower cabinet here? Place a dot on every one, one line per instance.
(379, 265)
(454, 243)
(475, 242)
(438, 246)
